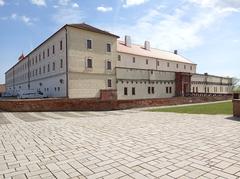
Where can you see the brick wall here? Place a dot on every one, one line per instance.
(236, 107)
(96, 104)
(108, 94)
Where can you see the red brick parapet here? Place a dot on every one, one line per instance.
(236, 107)
(97, 104)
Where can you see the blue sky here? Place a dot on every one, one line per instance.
(205, 31)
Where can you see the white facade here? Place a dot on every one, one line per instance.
(79, 61)
(204, 83)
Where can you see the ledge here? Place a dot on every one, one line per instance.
(65, 104)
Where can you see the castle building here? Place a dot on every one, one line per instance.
(81, 61)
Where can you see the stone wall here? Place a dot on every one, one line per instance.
(97, 104)
(236, 107)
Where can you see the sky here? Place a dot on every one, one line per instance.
(205, 31)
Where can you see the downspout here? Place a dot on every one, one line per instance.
(67, 93)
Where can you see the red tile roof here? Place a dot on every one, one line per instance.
(152, 53)
(87, 27)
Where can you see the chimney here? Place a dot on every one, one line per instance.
(175, 52)
(21, 57)
(147, 45)
(128, 41)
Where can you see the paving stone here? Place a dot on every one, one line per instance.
(161, 172)
(178, 173)
(125, 144)
(232, 169)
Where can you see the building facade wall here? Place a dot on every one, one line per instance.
(204, 83)
(85, 82)
(140, 62)
(43, 69)
(59, 67)
(144, 84)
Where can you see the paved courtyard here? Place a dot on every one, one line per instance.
(118, 144)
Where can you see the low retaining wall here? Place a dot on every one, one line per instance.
(236, 107)
(96, 104)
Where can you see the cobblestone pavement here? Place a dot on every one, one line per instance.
(118, 144)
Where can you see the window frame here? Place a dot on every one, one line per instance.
(87, 44)
(109, 83)
(133, 91)
(89, 63)
(125, 91)
(109, 47)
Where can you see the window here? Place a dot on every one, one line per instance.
(89, 63)
(146, 61)
(185, 67)
(108, 47)
(36, 71)
(48, 52)
(58, 88)
(152, 90)
(61, 45)
(109, 65)
(39, 57)
(36, 60)
(193, 89)
(197, 89)
(133, 91)
(119, 57)
(133, 59)
(44, 69)
(190, 67)
(168, 64)
(53, 49)
(61, 63)
(166, 89)
(158, 63)
(43, 54)
(109, 82)
(48, 68)
(177, 65)
(125, 91)
(53, 67)
(89, 44)
(149, 90)
(40, 71)
(170, 89)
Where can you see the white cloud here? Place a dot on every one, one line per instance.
(128, 3)
(38, 2)
(75, 5)
(26, 20)
(104, 9)
(221, 6)
(64, 2)
(22, 18)
(181, 29)
(2, 3)
(67, 15)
